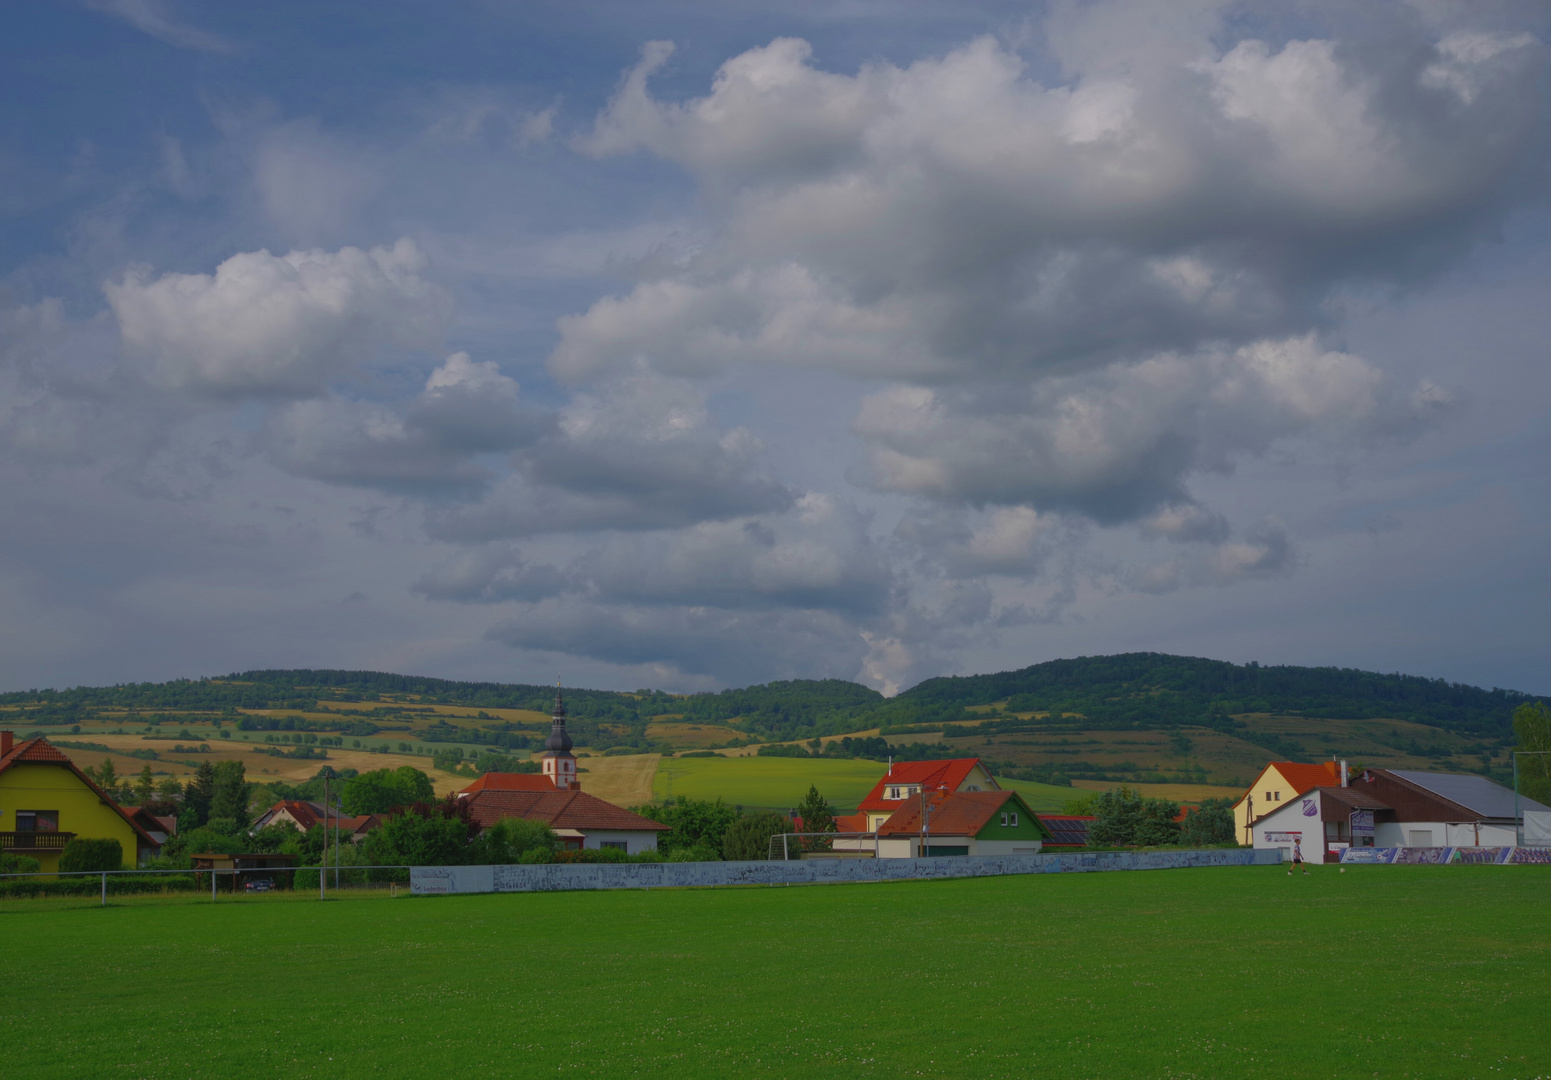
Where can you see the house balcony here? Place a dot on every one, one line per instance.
(31, 842)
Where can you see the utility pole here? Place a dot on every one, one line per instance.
(327, 774)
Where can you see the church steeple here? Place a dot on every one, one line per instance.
(557, 761)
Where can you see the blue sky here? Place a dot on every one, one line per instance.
(699, 345)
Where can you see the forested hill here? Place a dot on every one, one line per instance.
(1159, 690)
(1135, 690)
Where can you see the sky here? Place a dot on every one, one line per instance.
(655, 344)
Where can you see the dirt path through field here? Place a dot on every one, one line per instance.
(623, 781)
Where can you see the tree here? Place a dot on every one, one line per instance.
(145, 786)
(196, 798)
(696, 827)
(421, 836)
(106, 776)
(749, 836)
(1124, 819)
(169, 789)
(382, 791)
(229, 793)
(1209, 823)
(817, 816)
(1532, 727)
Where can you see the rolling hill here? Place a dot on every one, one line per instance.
(1138, 717)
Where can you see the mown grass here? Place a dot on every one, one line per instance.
(1379, 972)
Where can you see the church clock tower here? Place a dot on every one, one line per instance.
(557, 762)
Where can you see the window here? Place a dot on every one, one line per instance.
(1013, 820)
(617, 845)
(1278, 796)
(1004, 821)
(1268, 796)
(37, 821)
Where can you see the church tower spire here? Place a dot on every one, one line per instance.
(557, 761)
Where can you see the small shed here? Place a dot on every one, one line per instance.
(233, 872)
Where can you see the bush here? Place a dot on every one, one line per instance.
(19, 864)
(536, 855)
(749, 836)
(83, 853)
(509, 839)
(692, 823)
(118, 885)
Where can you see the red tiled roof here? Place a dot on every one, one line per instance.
(510, 781)
(851, 823)
(931, 775)
(1303, 778)
(958, 813)
(41, 752)
(308, 814)
(558, 809)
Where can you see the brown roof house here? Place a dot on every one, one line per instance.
(579, 819)
(306, 815)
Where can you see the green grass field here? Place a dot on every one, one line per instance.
(1222, 973)
(775, 782)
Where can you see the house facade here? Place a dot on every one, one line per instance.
(963, 823)
(1392, 808)
(307, 815)
(1278, 783)
(46, 801)
(905, 780)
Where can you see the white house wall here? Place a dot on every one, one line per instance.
(637, 841)
(1272, 831)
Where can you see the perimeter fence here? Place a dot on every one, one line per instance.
(238, 881)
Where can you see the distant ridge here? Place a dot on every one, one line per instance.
(1136, 690)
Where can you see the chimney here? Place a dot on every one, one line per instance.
(6, 739)
(1346, 775)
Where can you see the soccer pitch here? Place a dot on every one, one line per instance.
(1242, 972)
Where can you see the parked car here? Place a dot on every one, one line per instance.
(262, 884)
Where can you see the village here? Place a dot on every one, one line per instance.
(51, 812)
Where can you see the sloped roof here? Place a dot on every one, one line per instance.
(957, 813)
(310, 814)
(851, 823)
(1302, 777)
(42, 752)
(948, 773)
(1475, 793)
(557, 809)
(1354, 797)
(510, 781)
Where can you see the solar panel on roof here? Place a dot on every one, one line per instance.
(1472, 792)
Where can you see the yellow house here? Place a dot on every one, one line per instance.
(1277, 783)
(46, 801)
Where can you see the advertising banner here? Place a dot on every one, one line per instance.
(1535, 856)
(1481, 855)
(1423, 856)
(1362, 825)
(1281, 839)
(1368, 855)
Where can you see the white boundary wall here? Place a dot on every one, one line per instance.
(548, 877)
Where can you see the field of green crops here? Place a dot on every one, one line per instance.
(780, 783)
(774, 782)
(1381, 972)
